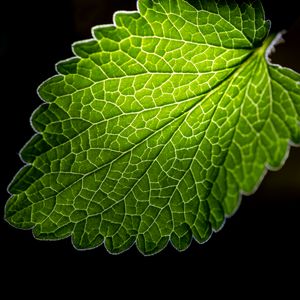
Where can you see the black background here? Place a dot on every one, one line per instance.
(261, 239)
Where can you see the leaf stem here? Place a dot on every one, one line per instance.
(266, 47)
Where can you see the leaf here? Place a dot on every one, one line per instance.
(156, 127)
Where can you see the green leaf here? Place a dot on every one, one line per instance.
(156, 127)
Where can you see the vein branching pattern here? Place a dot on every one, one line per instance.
(152, 132)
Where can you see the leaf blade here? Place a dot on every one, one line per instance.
(152, 132)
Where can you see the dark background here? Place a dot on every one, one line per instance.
(260, 239)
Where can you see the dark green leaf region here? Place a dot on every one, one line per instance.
(156, 127)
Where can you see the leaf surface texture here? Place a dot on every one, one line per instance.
(152, 132)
